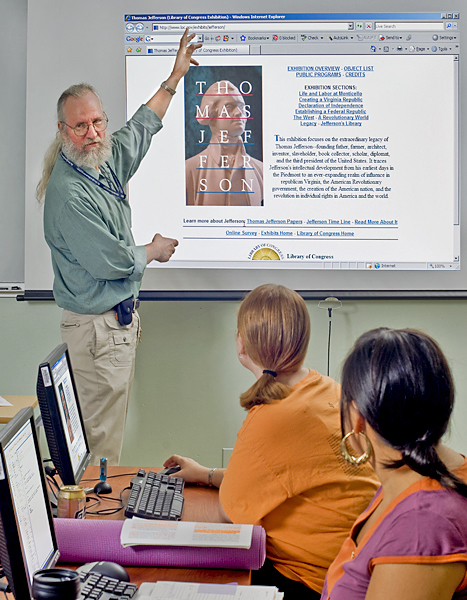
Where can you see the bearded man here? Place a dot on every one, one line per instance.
(97, 266)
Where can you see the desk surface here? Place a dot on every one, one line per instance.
(201, 504)
(18, 402)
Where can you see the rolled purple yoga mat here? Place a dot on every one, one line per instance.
(87, 540)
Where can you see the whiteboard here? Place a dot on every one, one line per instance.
(13, 27)
(71, 57)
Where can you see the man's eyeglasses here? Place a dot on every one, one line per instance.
(81, 129)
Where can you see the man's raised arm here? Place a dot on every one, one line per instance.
(159, 103)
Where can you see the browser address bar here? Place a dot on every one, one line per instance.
(256, 27)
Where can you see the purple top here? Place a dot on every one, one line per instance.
(425, 524)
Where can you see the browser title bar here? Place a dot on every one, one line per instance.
(278, 17)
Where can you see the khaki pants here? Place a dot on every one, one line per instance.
(102, 355)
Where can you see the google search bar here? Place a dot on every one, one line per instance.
(169, 39)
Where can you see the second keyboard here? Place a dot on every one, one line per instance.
(155, 496)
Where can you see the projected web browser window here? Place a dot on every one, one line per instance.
(317, 141)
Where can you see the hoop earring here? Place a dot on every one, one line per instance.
(356, 460)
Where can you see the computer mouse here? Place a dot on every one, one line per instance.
(170, 470)
(102, 487)
(110, 569)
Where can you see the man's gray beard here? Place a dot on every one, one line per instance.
(92, 158)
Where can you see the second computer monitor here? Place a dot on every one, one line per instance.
(27, 535)
(61, 415)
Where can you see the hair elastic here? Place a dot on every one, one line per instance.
(273, 373)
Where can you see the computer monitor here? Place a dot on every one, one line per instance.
(27, 535)
(61, 415)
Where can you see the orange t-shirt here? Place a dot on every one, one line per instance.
(286, 473)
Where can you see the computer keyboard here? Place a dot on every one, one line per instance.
(155, 496)
(95, 586)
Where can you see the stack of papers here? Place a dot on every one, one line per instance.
(165, 590)
(145, 532)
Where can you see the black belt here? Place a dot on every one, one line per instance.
(124, 310)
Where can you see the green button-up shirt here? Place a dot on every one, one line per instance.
(94, 257)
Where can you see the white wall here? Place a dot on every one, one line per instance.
(188, 379)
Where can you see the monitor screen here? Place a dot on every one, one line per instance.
(301, 142)
(27, 535)
(61, 414)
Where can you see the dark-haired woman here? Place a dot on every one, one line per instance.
(286, 472)
(411, 542)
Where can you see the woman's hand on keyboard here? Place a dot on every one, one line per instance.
(193, 472)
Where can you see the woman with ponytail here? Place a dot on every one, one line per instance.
(411, 542)
(286, 472)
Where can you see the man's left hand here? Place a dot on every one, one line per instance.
(161, 248)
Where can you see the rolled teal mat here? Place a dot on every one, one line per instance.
(88, 540)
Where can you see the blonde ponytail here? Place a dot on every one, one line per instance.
(49, 161)
(274, 325)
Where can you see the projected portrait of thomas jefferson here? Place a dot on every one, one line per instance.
(223, 174)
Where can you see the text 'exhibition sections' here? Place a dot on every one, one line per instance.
(303, 159)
